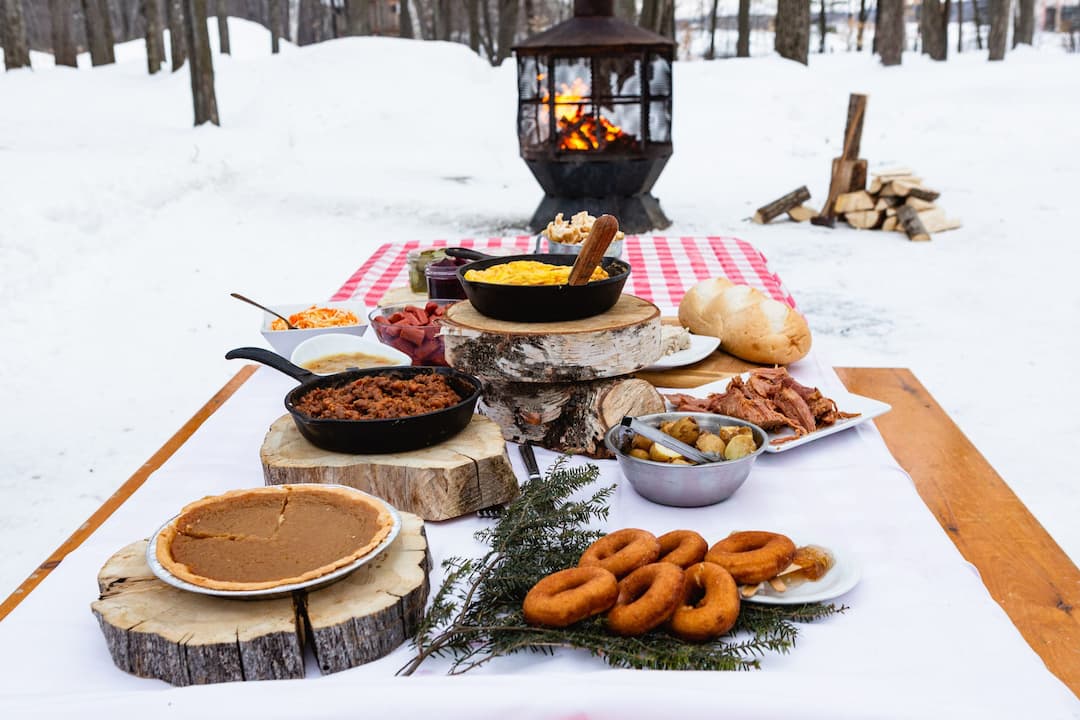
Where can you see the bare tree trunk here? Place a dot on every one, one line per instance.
(822, 27)
(626, 10)
(201, 65)
(667, 20)
(405, 25)
(443, 19)
(999, 28)
(488, 38)
(889, 34)
(652, 14)
(508, 17)
(960, 26)
(13, 35)
(742, 43)
(472, 10)
(358, 12)
(711, 52)
(99, 35)
(174, 14)
(223, 27)
(60, 13)
(978, 24)
(934, 28)
(1024, 27)
(278, 11)
(793, 29)
(862, 26)
(155, 43)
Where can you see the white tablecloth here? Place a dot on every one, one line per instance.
(922, 637)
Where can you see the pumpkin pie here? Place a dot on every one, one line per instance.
(266, 537)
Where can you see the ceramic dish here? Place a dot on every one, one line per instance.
(843, 576)
(281, 590)
(285, 341)
(701, 347)
(868, 409)
(322, 346)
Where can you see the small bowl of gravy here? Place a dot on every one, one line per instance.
(336, 352)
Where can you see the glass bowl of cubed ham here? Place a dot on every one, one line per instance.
(413, 329)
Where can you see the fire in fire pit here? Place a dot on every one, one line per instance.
(594, 116)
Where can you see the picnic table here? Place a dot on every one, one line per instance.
(965, 605)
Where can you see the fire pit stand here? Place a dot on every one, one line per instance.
(594, 116)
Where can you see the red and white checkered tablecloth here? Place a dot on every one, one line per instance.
(663, 267)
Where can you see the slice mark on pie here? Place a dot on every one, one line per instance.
(267, 537)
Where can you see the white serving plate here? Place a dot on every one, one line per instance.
(868, 409)
(841, 578)
(163, 574)
(701, 346)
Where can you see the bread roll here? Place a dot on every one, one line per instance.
(750, 325)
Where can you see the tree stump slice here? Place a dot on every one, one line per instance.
(620, 341)
(568, 417)
(458, 476)
(154, 630)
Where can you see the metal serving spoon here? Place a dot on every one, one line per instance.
(249, 301)
(659, 436)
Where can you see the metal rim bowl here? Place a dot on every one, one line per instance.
(615, 249)
(684, 485)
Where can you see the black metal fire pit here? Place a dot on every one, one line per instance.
(594, 116)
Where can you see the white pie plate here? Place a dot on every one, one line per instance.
(868, 409)
(701, 346)
(168, 578)
(841, 578)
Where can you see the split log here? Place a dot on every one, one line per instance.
(781, 205)
(617, 342)
(184, 638)
(886, 203)
(919, 205)
(893, 172)
(911, 223)
(891, 223)
(852, 202)
(935, 221)
(864, 219)
(458, 476)
(802, 213)
(878, 184)
(923, 193)
(567, 417)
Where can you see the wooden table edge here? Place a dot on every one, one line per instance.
(126, 490)
(1040, 604)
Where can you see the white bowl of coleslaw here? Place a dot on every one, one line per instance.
(313, 319)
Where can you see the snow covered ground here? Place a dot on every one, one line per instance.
(122, 231)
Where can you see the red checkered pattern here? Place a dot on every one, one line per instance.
(663, 267)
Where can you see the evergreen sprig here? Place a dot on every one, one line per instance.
(475, 616)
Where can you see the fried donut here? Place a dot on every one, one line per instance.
(709, 606)
(752, 557)
(565, 597)
(622, 552)
(647, 598)
(682, 548)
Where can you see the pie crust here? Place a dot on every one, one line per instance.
(262, 538)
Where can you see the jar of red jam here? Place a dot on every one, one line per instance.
(442, 279)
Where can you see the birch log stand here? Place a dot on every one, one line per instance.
(559, 385)
(154, 630)
(460, 475)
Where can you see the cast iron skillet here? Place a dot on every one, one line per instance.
(540, 303)
(371, 436)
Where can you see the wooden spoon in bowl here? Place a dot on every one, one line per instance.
(592, 250)
(249, 301)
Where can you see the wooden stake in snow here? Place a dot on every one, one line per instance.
(913, 226)
(781, 205)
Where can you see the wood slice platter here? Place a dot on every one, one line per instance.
(568, 417)
(458, 476)
(617, 342)
(157, 631)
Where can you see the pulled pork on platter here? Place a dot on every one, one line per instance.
(771, 399)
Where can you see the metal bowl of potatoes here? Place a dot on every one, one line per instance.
(668, 481)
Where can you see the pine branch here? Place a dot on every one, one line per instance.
(476, 616)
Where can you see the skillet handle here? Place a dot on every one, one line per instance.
(271, 359)
(467, 254)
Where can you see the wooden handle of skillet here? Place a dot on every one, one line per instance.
(592, 250)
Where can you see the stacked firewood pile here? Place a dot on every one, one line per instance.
(895, 199)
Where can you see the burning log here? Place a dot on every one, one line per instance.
(781, 205)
